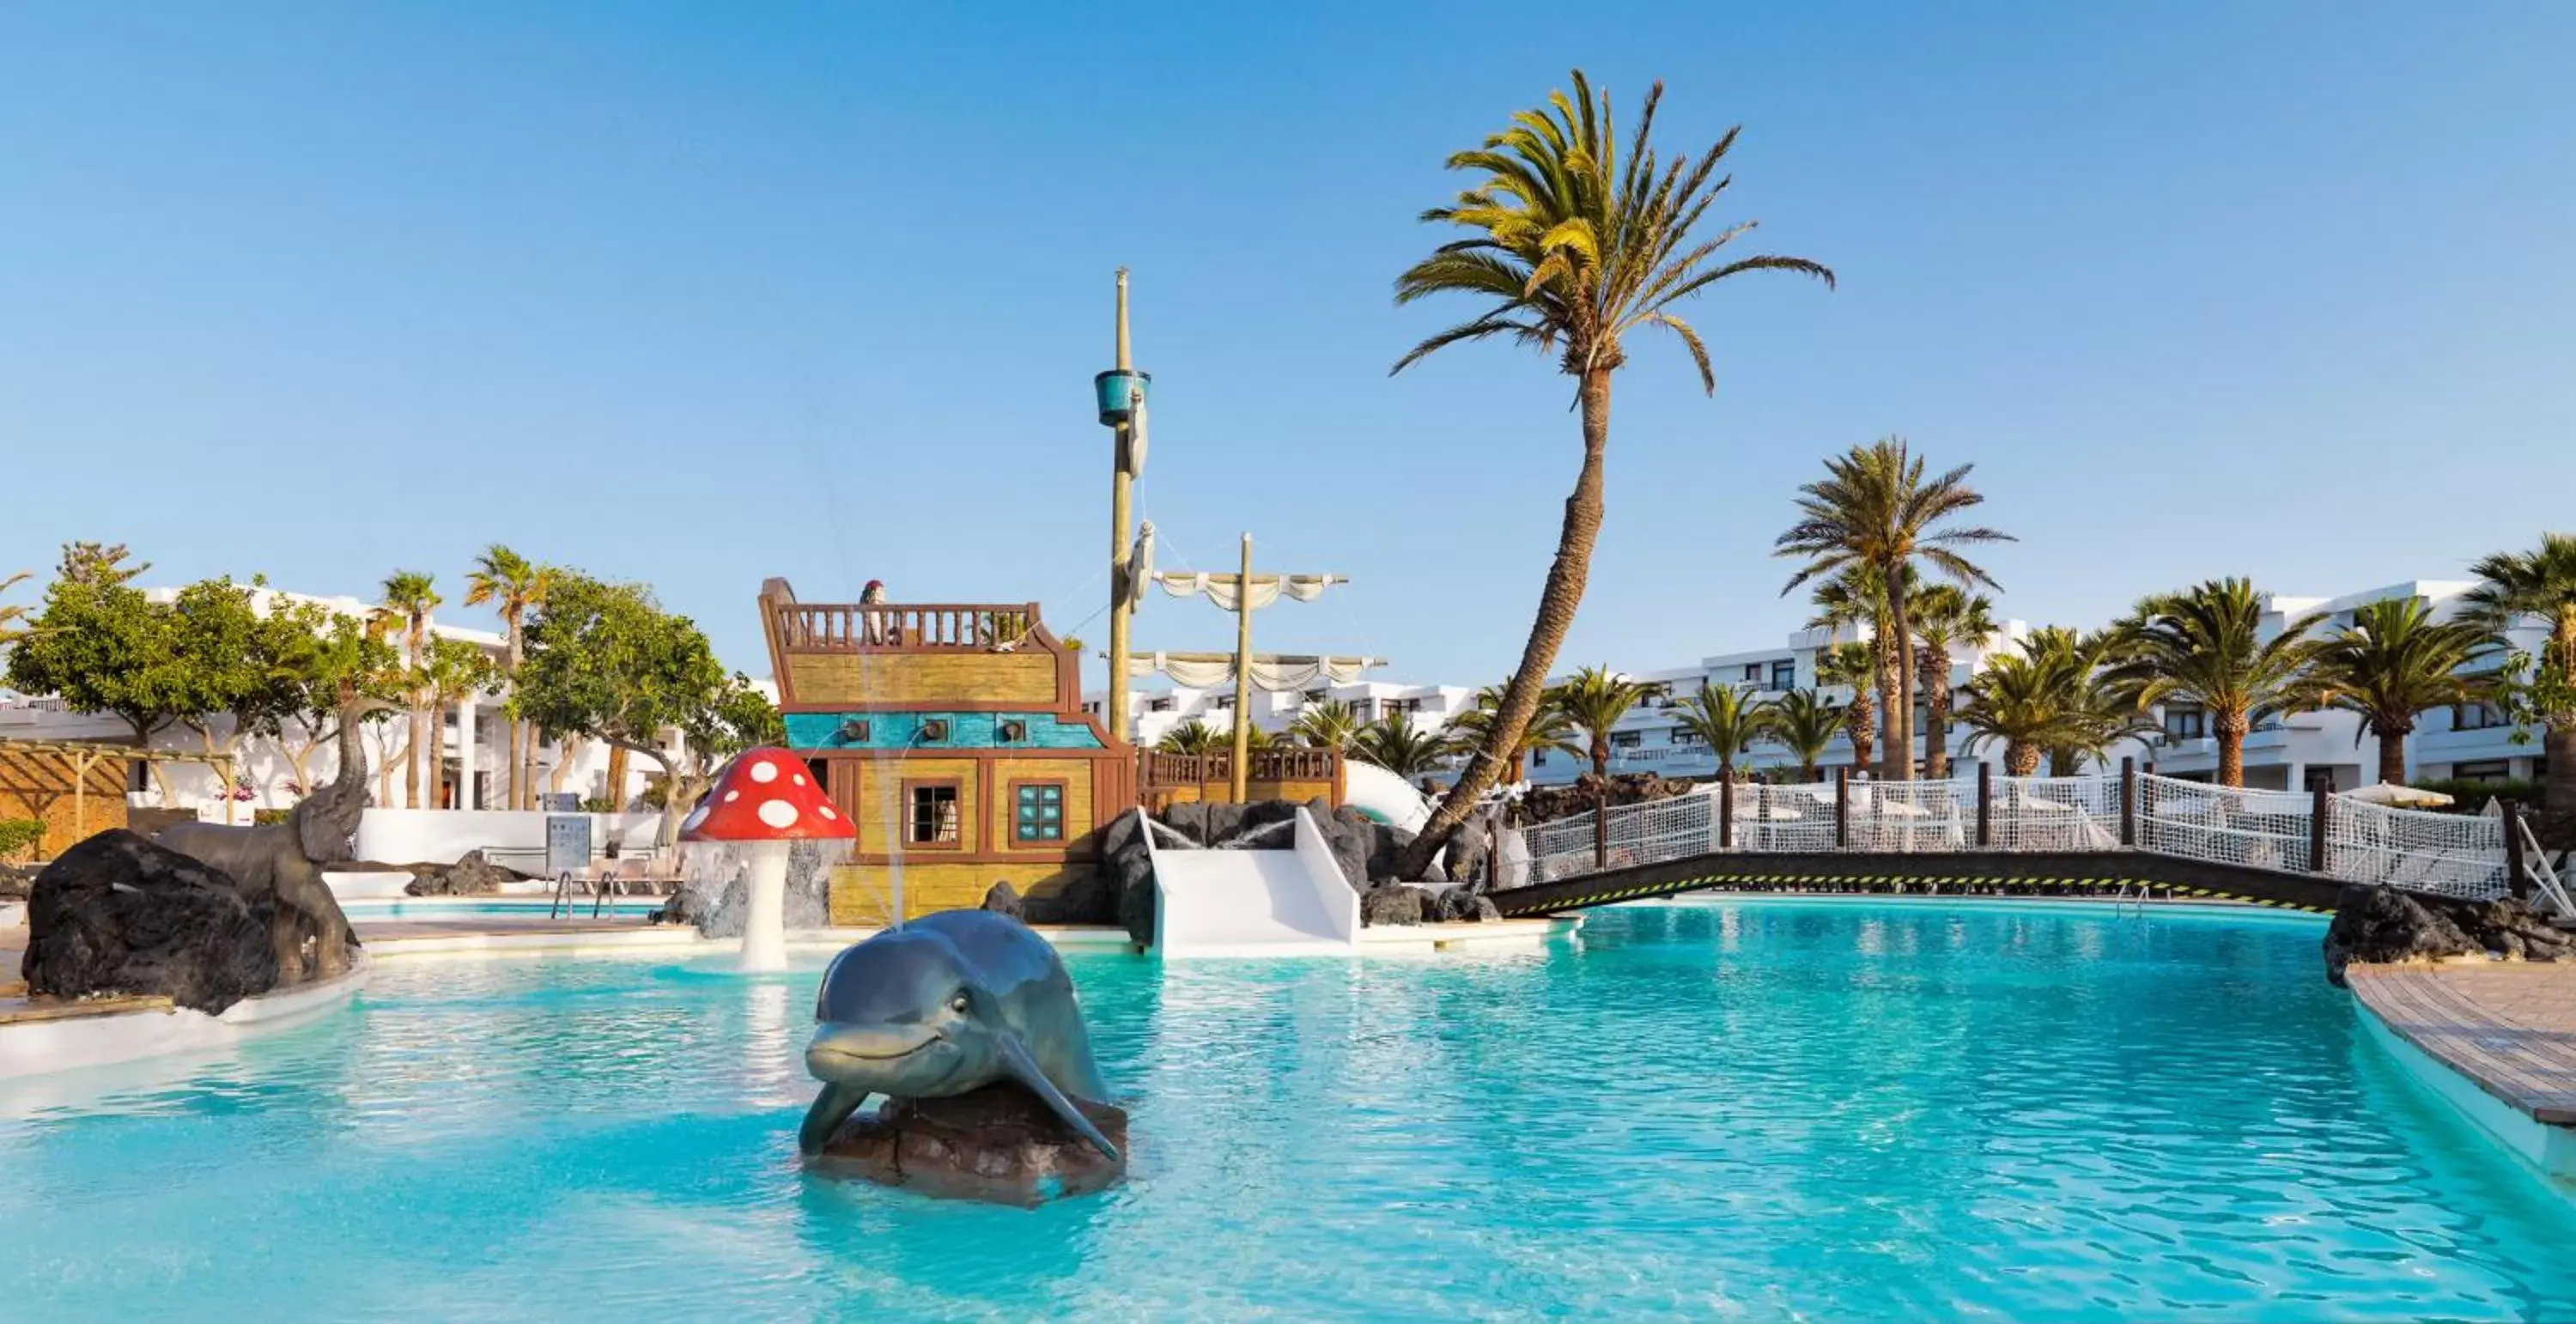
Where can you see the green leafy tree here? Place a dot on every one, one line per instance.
(512, 586)
(1326, 724)
(1595, 698)
(2539, 586)
(2205, 646)
(452, 672)
(409, 599)
(2393, 662)
(1875, 507)
(1946, 619)
(606, 662)
(1805, 723)
(240, 664)
(1855, 666)
(1571, 246)
(1194, 737)
(338, 665)
(1394, 743)
(101, 646)
(1728, 720)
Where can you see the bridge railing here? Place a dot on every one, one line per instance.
(2447, 854)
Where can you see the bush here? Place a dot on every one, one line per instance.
(2470, 796)
(269, 815)
(18, 837)
(599, 804)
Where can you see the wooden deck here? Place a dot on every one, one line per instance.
(2509, 1026)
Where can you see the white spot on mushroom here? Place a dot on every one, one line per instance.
(799, 779)
(764, 771)
(778, 813)
(826, 812)
(731, 796)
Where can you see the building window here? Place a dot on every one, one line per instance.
(2476, 717)
(2321, 779)
(1682, 735)
(1011, 729)
(1784, 675)
(933, 817)
(1364, 710)
(821, 771)
(138, 777)
(1223, 703)
(1753, 672)
(2185, 724)
(2490, 770)
(1313, 696)
(1538, 758)
(1038, 812)
(1091, 708)
(1159, 704)
(1626, 739)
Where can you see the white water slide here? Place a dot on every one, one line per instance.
(1369, 787)
(1290, 902)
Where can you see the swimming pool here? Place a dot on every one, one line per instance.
(1754, 1109)
(485, 908)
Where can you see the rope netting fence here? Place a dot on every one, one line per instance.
(2448, 854)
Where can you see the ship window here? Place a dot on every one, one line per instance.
(935, 728)
(933, 820)
(1038, 812)
(1013, 728)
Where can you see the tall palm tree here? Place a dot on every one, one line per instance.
(1856, 596)
(1805, 722)
(1728, 720)
(1946, 617)
(2205, 646)
(2393, 662)
(409, 599)
(1326, 724)
(1549, 731)
(453, 671)
(1572, 247)
(512, 584)
(1393, 742)
(2098, 713)
(1875, 507)
(1595, 698)
(1855, 665)
(2541, 585)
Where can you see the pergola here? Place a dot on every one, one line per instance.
(41, 772)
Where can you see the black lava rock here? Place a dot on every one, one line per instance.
(118, 914)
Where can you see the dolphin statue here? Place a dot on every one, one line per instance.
(947, 1004)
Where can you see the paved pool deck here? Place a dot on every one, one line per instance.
(2509, 1027)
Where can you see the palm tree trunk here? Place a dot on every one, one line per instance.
(1860, 726)
(1936, 702)
(2230, 727)
(1900, 719)
(2021, 759)
(2392, 754)
(1557, 600)
(2558, 743)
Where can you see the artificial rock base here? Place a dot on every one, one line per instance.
(997, 1144)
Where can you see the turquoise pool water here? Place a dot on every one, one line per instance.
(633, 908)
(1753, 1110)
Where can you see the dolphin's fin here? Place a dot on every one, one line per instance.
(831, 1108)
(1024, 1069)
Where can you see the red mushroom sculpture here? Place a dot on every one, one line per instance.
(763, 800)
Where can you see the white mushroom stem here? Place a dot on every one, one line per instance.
(764, 922)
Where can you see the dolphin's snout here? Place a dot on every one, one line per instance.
(857, 1044)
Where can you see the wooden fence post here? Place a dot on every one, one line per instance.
(1842, 806)
(1985, 804)
(2517, 871)
(2128, 802)
(2320, 804)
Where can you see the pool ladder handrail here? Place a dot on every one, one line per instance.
(561, 905)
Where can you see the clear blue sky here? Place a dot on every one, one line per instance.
(701, 294)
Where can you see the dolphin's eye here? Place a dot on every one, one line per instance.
(957, 1002)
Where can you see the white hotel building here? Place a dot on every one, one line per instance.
(2471, 741)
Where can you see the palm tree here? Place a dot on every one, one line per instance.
(1857, 597)
(409, 599)
(2541, 585)
(1326, 724)
(10, 630)
(1549, 731)
(2024, 700)
(1728, 719)
(1945, 617)
(1395, 744)
(1855, 665)
(512, 584)
(1806, 722)
(1572, 248)
(1875, 508)
(2393, 662)
(2098, 712)
(2205, 646)
(1595, 698)
(453, 671)
(1194, 737)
